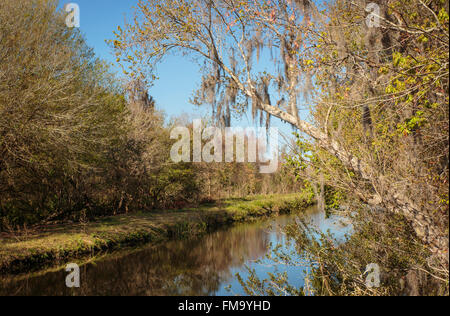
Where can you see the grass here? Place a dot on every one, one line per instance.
(58, 244)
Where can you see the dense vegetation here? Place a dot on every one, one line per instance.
(75, 142)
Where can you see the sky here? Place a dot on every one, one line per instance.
(98, 20)
(178, 77)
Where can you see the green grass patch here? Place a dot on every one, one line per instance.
(56, 245)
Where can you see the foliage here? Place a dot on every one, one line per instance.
(60, 111)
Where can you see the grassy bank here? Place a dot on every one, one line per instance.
(31, 251)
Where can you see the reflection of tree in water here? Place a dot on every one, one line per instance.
(194, 267)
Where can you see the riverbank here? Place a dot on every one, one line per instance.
(32, 251)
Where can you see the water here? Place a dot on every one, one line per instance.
(198, 267)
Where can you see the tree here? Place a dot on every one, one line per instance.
(59, 111)
(360, 81)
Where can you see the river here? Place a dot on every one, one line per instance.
(197, 267)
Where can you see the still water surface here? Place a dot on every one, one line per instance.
(204, 266)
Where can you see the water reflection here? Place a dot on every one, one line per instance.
(197, 267)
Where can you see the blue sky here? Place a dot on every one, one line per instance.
(178, 77)
(98, 20)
